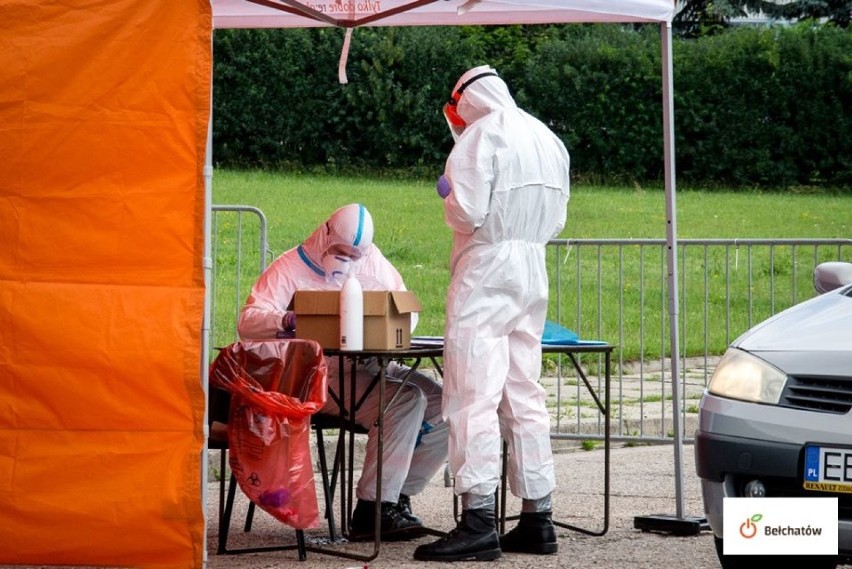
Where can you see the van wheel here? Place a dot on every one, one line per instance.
(772, 561)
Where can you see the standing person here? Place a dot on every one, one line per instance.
(415, 435)
(505, 188)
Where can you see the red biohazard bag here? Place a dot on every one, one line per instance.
(275, 387)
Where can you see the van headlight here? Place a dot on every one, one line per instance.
(740, 375)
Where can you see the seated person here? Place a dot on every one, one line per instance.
(415, 436)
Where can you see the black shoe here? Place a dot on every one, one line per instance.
(404, 509)
(475, 538)
(533, 534)
(394, 527)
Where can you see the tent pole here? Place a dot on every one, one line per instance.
(671, 257)
(678, 524)
(207, 264)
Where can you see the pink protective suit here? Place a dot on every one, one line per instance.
(415, 436)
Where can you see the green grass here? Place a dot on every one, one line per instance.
(410, 229)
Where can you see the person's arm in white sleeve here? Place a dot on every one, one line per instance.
(470, 170)
(262, 316)
(562, 165)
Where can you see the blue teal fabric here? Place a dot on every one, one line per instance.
(558, 335)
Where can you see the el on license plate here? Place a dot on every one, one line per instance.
(828, 469)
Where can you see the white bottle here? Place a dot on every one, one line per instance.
(351, 315)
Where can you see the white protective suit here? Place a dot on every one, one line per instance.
(509, 176)
(415, 436)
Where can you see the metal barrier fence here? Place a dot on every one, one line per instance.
(616, 292)
(240, 252)
(603, 289)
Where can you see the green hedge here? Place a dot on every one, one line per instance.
(767, 107)
(764, 107)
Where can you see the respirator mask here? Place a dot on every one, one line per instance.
(336, 268)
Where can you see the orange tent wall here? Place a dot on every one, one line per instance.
(104, 109)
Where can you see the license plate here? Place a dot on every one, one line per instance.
(828, 469)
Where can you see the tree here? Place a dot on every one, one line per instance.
(705, 17)
(836, 11)
(702, 17)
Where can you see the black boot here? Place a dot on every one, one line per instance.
(533, 534)
(403, 506)
(475, 538)
(394, 527)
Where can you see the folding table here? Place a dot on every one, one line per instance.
(413, 357)
(432, 348)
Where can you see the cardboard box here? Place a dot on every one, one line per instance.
(387, 318)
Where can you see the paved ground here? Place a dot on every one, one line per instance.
(640, 398)
(642, 484)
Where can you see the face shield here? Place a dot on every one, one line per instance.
(456, 123)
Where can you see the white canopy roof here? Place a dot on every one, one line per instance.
(352, 13)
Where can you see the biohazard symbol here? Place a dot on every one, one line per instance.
(254, 479)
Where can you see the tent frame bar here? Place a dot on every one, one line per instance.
(299, 9)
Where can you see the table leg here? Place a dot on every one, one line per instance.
(605, 409)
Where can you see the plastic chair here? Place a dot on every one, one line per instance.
(320, 422)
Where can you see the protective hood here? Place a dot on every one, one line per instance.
(349, 230)
(482, 92)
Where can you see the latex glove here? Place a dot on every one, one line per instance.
(288, 321)
(443, 187)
